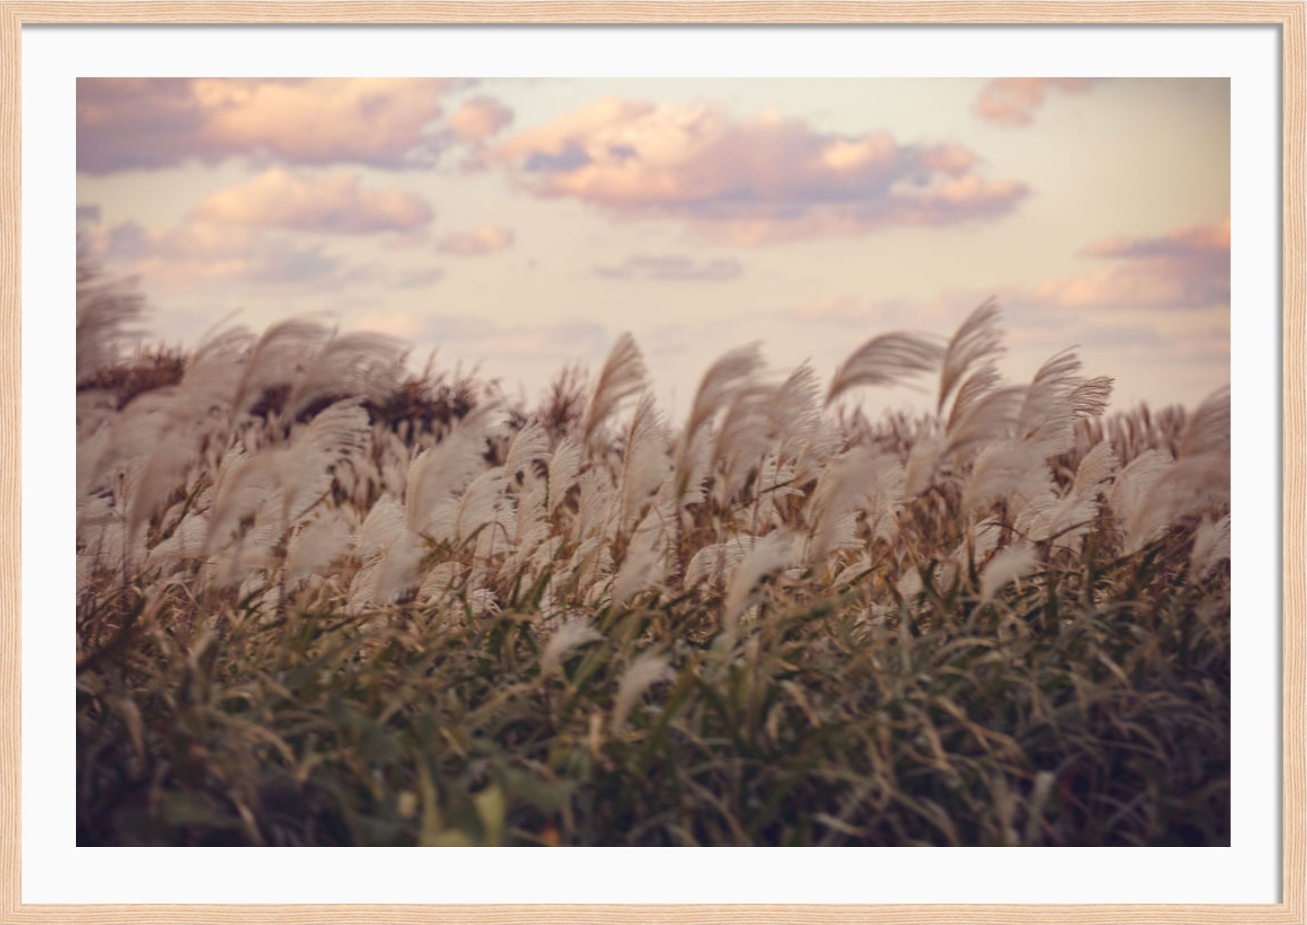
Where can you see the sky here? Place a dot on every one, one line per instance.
(520, 225)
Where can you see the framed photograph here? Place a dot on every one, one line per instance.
(697, 462)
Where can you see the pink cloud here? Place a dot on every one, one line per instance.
(749, 181)
(1153, 289)
(1186, 268)
(1012, 101)
(188, 256)
(479, 118)
(336, 203)
(150, 123)
(1201, 242)
(488, 239)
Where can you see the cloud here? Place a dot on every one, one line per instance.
(125, 124)
(1185, 269)
(1156, 316)
(749, 181)
(195, 254)
(479, 118)
(1201, 243)
(89, 214)
(671, 268)
(488, 239)
(335, 204)
(1012, 101)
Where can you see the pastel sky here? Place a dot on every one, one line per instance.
(524, 224)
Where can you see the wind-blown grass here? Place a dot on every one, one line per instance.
(322, 602)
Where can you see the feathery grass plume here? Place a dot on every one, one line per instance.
(284, 348)
(1057, 398)
(482, 602)
(805, 440)
(212, 373)
(798, 409)
(570, 636)
(749, 428)
(978, 340)
(1046, 415)
(529, 444)
(362, 364)
(622, 377)
(1092, 396)
(322, 540)
(341, 432)
(483, 504)
(1154, 490)
(246, 560)
(1007, 565)
(772, 552)
(1096, 468)
(186, 542)
(990, 417)
(564, 467)
(563, 407)
(645, 461)
(1069, 517)
(440, 582)
(923, 460)
(1208, 431)
(242, 486)
(863, 481)
(107, 310)
(1192, 484)
(727, 377)
(594, 505)
(532, 528)
(1211, 545)
(644, 671)
(886, 360)
(167, 440)
(388, 574)
(1132, 498)
(716, 559)
(162, 475)
(92, 448)
(135, 432)
(849, 571)
(437, 475)
(909, 585)
(644, 566)
(1004, 470)
(383, 524)
(973, 388)
(777, 480)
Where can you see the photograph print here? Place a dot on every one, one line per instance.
(653, 462)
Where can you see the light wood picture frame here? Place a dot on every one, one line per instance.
(1289, 17)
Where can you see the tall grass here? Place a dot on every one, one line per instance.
(324, 602)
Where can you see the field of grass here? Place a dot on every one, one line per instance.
(323, 601)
